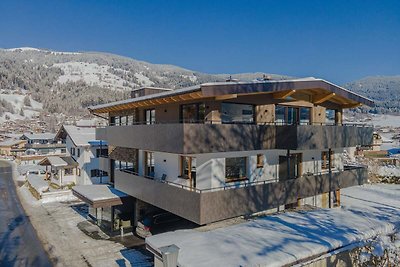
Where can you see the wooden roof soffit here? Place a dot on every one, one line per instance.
(283, 94)
(352, 105)
(318, 99)
(226, 97)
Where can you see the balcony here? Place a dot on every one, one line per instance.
(48, 145)
(206, 206)
(192, 138)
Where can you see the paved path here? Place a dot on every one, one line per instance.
(19, 244)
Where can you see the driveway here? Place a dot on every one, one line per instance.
(19, 244)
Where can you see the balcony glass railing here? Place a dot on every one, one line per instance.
(279, 123)
(241, 184)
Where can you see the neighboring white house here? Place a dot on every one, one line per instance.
(88, 152)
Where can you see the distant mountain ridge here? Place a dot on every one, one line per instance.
(384, 90)
(67, 82)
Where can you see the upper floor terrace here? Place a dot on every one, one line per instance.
(291, 114)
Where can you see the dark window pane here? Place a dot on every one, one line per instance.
(292, 115)
(305, 116)
(237, 113)
(235, 168)
(330, 116)
(280, 114)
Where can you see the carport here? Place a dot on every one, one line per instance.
(109, 208)
(63, 170)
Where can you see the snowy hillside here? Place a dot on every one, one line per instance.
(92, 74)
(89, 78)
(19, 110)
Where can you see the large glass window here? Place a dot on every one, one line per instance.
(305, 116)
(325, 160)
(130, 166)
(287, 115)
(290, 167)
(192, 113)
(292, 115)
(188, 169)
(237, 113)
(124, 120)
(330, 116)
(149, 164)
(235, 169)
(150, 115)
(131, 119)
(101, 152)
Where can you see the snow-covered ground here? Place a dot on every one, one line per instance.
(56, 223)
(94, 74)
(385, 120)
(27, 49)
(18, 103)
(282, 239)
(389, 170)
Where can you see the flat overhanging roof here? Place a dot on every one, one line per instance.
(318, 89)
(99, 196)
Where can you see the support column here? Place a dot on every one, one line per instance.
(330, 176)
(288, 164)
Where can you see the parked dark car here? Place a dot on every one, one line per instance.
(156, 223)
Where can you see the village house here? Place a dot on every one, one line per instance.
(87, 152)
(12, 147)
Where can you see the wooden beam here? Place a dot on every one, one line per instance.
(196, 95)
(226, 97)
(318, 99)
(351, 105)
(283, 94)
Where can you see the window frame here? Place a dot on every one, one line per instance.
(229, 179)
(253, 119)
(148, 155)
(200, 108)
(152, 114)
(260, 161)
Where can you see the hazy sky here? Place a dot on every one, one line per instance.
(336, 40)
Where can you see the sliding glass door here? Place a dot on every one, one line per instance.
(288, 115)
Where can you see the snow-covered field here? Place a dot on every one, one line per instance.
(282, 239)
(385, 121)
(18, 103)
(94, 74)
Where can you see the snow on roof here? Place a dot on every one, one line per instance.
(286, 238)
(56, 161)
(99, 195)
(87, 123)
(39, 136)
(22, 169)
(146, 97)
(38, 183)
(80, 136)
(11, 142)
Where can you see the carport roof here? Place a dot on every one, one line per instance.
(99, 196)
(56, 161)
